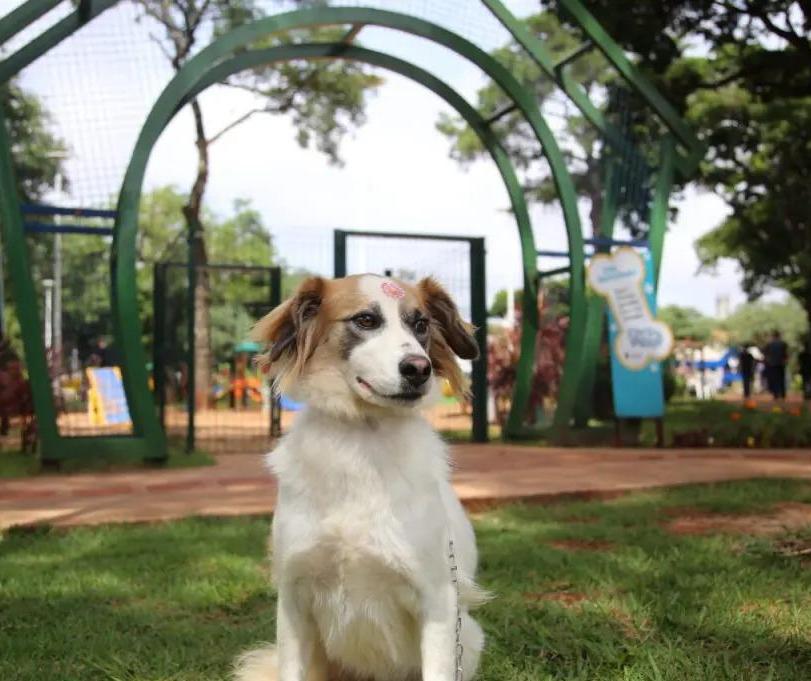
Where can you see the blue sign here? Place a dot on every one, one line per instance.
(638, 391)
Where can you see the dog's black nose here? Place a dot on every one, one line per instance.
(415, 369)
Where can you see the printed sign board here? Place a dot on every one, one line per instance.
(638, 340)
(107, 402)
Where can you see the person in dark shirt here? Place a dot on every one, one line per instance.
(804, 360)
(746, 363)
(775, 357)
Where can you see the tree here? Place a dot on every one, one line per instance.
(239, 237)
(324, 100)
(687, 323)
(753, 323)
(555, 294)
(37, 156)
(498, 308)
(37, 153)
(579, 141)
(749, 95)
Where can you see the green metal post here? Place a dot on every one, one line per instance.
(24, 15)
(54, 35)
(339, 254)
(159, 339)
(191, 354)
(595, 309)
(478, 310)
(661, 203)
(275, 400)
(630, 73)
(204, 66)
(16, 252)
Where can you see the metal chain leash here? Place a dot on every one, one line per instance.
(457, 676)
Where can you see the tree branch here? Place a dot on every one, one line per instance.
(244, 117)
(788, 35)
(726, 80)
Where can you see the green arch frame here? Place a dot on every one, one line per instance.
(208, 66)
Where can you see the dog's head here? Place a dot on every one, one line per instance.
(365, 343)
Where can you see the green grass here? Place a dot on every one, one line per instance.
(16, 464)
(177, 601)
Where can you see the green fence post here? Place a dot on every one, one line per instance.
(275, 398)
(25, 297)
(595, 309)
(661, 198)
(159, 340)
(191, 355)
(478, 313)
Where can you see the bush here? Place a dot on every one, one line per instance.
(730, 426)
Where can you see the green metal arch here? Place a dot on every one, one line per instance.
(194, 73)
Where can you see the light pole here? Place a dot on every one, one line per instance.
(48, 287)
(58, 198)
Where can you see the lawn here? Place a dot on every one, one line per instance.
(17, 464)
(587, 590)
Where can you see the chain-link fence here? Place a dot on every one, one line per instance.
(209, 393)
(458, 264)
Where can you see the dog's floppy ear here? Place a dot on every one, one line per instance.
(290, 331)
(450, 335)
(443, 311)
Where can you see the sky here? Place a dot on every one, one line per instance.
(397, 174)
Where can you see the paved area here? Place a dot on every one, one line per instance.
(484, 475)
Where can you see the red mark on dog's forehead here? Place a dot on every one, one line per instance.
(392, 290)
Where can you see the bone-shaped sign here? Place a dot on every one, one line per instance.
(619, 278)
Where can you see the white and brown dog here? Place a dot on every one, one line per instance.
(366, 512)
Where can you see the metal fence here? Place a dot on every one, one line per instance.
(458, 263)
(229, 408)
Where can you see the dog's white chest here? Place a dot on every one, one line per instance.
(358, 585)
(360, 537)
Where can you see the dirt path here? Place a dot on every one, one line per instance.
(484, 475)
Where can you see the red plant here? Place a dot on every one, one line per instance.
(15, 397)
(503, 351)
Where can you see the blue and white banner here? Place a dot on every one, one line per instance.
(638, 340)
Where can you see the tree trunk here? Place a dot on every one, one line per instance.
(202, 292)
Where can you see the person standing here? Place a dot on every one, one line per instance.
(746, 363)
(804, 360)
(775, 357)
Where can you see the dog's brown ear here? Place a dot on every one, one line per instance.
(290, 330)
(450, 335)
(443, 311)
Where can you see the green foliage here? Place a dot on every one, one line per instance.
(555, 292)
(755, 322)
(16, 464)
(498, 308)
(749, 95)
(597, 590)
(36, 152)
(240, 239)
(687, 323)
(578, 139)
(707, 423)
(37, 155)
(325, 99)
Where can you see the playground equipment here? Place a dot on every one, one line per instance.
(466, 29)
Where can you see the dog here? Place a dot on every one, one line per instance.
(373, 556)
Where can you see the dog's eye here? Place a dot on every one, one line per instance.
(421, 327)
(366, 321)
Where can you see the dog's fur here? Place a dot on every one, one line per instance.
(365, 510)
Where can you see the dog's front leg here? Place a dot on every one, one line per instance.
(438, 636)
(301, 655)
